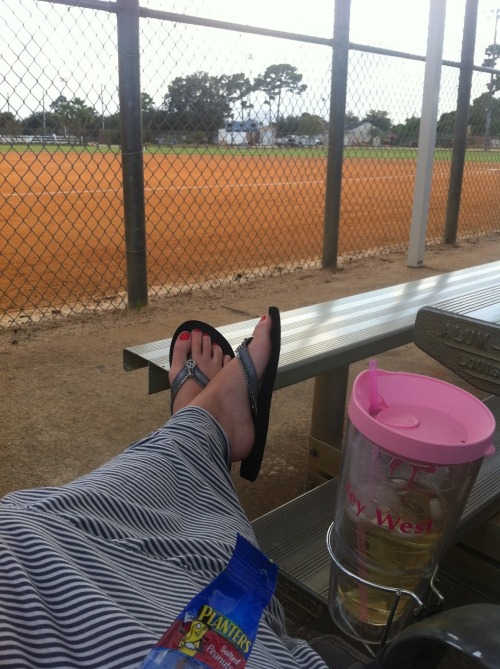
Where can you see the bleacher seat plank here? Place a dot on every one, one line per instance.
(322, 337)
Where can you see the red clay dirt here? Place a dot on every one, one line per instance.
(207, 216)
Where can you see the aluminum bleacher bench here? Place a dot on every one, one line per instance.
(322, 340)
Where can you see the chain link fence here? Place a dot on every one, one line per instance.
(60, 175)
(235, 130)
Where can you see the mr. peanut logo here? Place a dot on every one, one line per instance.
(191, 641)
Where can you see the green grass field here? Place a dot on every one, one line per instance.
(363, 153)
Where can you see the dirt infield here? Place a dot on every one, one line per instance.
(208, 216)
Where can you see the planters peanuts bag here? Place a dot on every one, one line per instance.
(217, 628)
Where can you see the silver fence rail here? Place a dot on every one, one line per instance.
(216, 159)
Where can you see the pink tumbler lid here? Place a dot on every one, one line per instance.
(422, 419)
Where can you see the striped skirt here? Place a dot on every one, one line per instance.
(92, 573)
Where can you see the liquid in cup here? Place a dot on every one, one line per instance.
(407, 469)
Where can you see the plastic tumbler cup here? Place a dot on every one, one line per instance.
(412, 451)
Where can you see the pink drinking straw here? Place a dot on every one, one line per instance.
(363, 589)
(373, 410)
(374, 400)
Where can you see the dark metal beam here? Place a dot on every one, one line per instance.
(461, 123)
(132, 151)
(254, 30)
(335, 156)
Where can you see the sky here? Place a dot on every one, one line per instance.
(392, 24)
(47, 50)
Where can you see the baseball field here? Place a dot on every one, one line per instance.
(209, 215)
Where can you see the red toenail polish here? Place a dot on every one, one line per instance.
(263, 318)
(196, 330)
(184, 336)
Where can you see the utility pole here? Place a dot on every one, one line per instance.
(43, 114)
(102, 106)
(63, 82)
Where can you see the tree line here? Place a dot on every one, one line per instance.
(406, 134)
(199, 102)
(196, 106)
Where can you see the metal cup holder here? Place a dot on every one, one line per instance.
(397, 592)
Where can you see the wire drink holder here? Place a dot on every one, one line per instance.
(397, 592)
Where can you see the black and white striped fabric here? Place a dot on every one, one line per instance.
(92, 573)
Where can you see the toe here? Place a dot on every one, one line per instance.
(206, 347)
(196, 344)
(216, 354)
(182, 349)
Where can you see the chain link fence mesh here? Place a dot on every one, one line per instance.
(235, 184)
(60, 177)
(235, 130)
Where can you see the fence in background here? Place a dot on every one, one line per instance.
(235, 149)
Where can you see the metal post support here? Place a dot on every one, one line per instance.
(427, 135)
(327, 425)
(461, 122)
(335, 156)
(132, 151)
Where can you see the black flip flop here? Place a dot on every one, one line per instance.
(190, 369)
(260, 395)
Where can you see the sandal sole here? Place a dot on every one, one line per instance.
(250, 467)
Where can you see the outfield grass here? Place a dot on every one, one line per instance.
(363, 153)
(407, 153)
(57, 148)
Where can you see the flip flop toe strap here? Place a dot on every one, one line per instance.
(249, 372)
(189, 371)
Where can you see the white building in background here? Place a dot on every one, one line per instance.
(231, 138)
(359, 134)
(267, 136)
(246, 133)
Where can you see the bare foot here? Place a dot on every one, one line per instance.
(208, 357)
(226, 397)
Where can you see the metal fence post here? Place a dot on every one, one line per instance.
(338, 91)
(427, 133)
(461, 121)
(132, 151)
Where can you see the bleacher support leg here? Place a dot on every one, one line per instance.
(327, 425)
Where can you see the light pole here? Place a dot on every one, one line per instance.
(44, 129)
(63, 86)
(63, 82)
(9, 126)
(489, 109)
(248, 101)
(102, 106)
